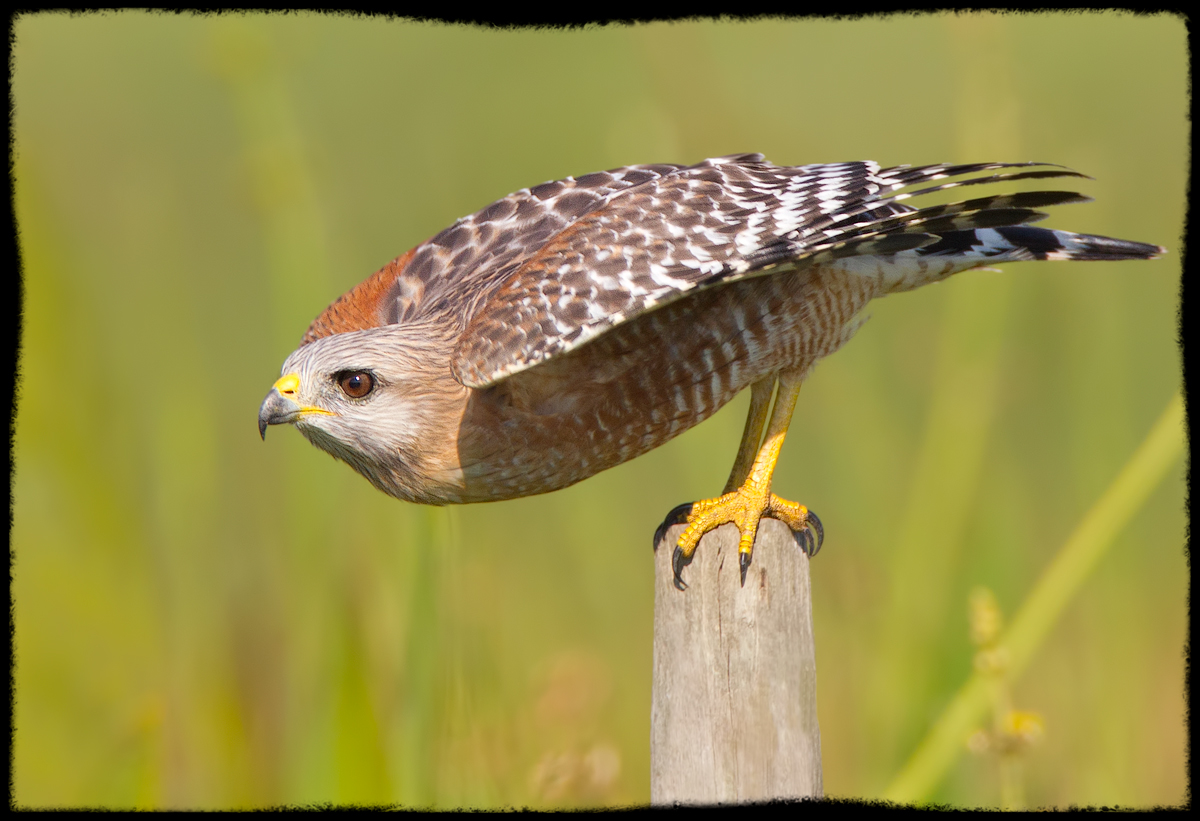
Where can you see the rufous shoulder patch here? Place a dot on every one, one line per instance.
(361, 307)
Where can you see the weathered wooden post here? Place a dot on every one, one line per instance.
(733, 714)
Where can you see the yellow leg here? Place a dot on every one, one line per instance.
(760, 403)
(756, 420)
(753, 498)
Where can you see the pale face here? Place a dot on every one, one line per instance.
(362, 397)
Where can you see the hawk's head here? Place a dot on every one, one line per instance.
(363, 396)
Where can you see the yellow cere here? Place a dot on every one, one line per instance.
(288, 385)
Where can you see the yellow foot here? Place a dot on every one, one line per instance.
(744, 507)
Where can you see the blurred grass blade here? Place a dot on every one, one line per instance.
(1095, 534)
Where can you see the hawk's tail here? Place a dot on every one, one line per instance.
(949, 252)
(959, 235)
(1020, 242)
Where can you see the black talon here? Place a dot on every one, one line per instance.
(744, 563)
(810, 536)
(815, 524)
(677, 516)
(804, 540)
(679, 562)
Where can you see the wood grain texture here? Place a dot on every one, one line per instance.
(733, 714)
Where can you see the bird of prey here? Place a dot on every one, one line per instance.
(577, 324)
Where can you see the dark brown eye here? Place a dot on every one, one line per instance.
(356, 384)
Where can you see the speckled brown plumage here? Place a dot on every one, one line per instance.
(577, 324)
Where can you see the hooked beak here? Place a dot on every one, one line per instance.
(281, 407)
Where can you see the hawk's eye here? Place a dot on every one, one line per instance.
(356, 384)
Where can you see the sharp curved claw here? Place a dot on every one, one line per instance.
(744, 563)
(810, 537)
(814, 524)
(679, 562)
(804, 540)
(677, 516)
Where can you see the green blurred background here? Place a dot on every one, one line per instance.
(204, 620)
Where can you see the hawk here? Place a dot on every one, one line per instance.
(577, 324)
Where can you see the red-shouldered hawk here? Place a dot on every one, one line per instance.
(569, 327)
